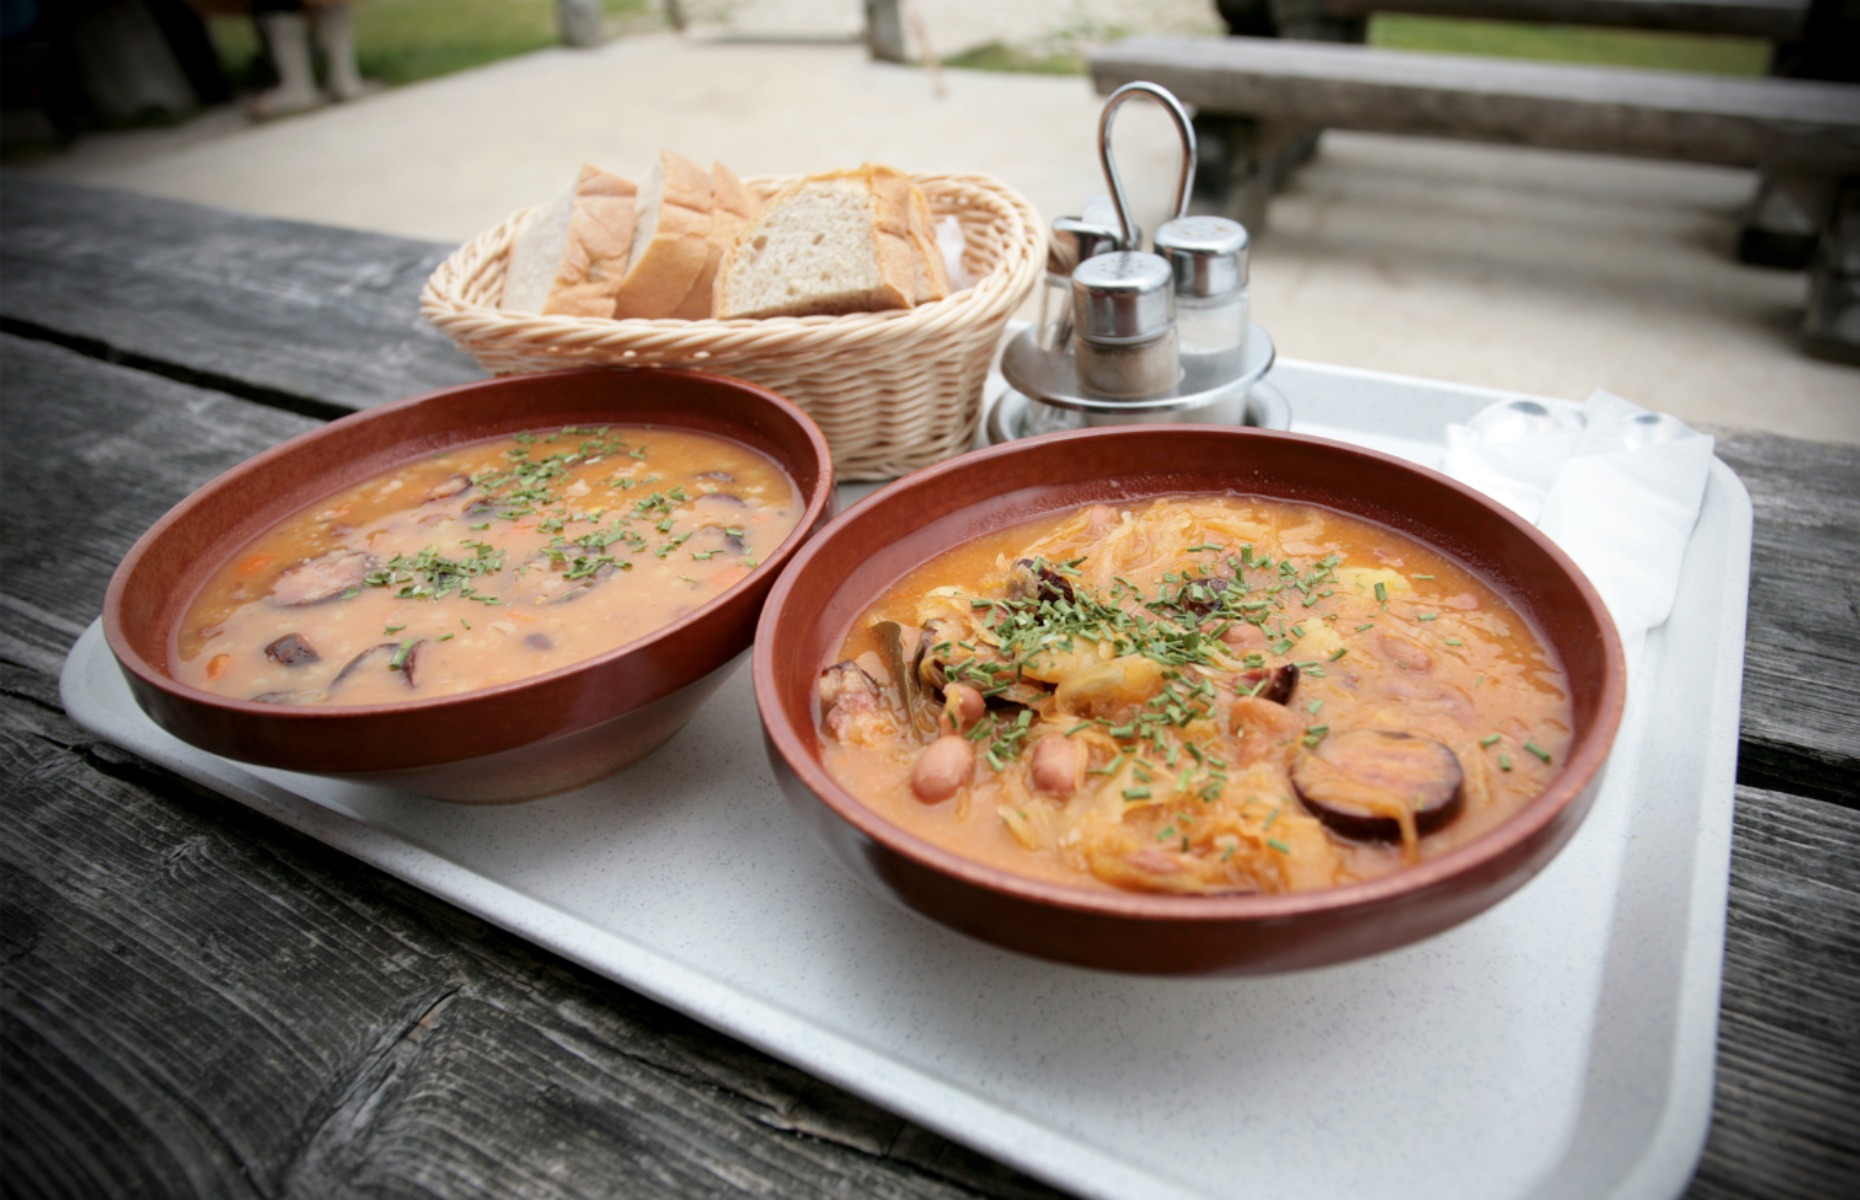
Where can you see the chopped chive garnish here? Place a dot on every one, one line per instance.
(1278, 845)
(1137, 793)
(1504, 762)
(1539, 751)
(1382, 593)
(1338, 653)
(1489, 739)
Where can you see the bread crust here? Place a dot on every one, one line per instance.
(593, 256)
(732, 207)
(661, 274)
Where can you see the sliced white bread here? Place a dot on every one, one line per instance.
(732, 206)
(932, 274)
(569, 257)
(671, 239)
(833, 243)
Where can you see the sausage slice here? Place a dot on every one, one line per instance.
(1357, 782)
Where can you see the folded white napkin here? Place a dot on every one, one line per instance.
(1617, 487)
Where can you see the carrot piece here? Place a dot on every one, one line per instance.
(216, 666)
(252, 564)
(729, 576)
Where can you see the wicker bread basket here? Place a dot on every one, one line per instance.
(891, 391)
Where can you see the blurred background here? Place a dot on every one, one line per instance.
(1510, 266)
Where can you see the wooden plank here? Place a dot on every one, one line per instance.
(1784, 124)
(1788, 1077)
(305, 316)
(1801, 718)
(1770, 20)
(198, 1001)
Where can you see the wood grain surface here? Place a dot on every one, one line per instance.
(1784, 124)
(197, 1001)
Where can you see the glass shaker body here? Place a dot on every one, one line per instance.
(1208, 256)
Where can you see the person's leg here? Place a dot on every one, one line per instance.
(335, 32)
(287, 36)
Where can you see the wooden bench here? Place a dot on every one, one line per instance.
(1259, 101)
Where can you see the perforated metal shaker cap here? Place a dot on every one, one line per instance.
(1207, 254)
(1127, 296)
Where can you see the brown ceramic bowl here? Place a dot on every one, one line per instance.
(514, 741)
(843, 570)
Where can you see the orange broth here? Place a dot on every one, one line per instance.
(488, 563)
(1180, 763)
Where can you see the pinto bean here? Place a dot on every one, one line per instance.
(319, 579)
(1267, 732)
(1244, 637)
(1357, 782)
(963, 706)
(1402, 652)
(942, 769)
(1055, 766)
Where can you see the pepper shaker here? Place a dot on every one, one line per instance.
(1208, 258)
(1123, 307)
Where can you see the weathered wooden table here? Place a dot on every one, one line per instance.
(198, 1001)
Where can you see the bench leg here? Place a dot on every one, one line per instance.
(1241, 161)
(1785, 221)
(1831, 329)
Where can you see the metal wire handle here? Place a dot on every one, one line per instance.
(1183, 128)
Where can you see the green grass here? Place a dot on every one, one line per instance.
(405, 41)
(1576, 44)
(1064, 53)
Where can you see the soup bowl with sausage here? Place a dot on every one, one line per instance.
(491, 593)
(1188, 700)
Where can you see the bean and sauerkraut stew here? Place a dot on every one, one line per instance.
(487, 563)
(1197, 694)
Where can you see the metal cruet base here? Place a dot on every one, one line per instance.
(1043, 393)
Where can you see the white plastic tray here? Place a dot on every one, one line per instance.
(1559, 1045)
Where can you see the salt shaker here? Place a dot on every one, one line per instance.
(1208, 258)
(1123, 311)
(1074, 240)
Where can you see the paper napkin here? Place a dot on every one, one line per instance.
(1618, 488)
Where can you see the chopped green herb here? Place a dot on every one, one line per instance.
(1539, 751)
